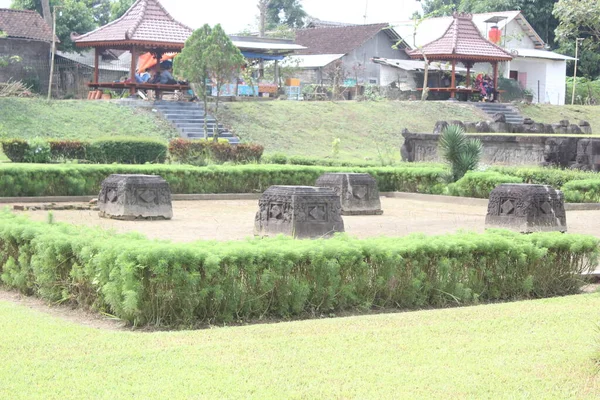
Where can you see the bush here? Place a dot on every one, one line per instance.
(192, 152)
(461, 153)
(196, 152)
(38, 152)
(63, 150)
(248, 153)
(547, 176)
(15, 149)
(480, 184)
(127, 151)
(275, 158)
(80, 179)
(181, 285)
(583, 191)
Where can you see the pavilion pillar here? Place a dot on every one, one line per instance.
(132, 70)
(469, 66)
(495, 65)
(453, 82)
(96, 66)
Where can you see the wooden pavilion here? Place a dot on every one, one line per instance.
(145, 27)
(462, 42)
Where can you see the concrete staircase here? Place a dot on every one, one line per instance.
(188, 118)
(512, 114)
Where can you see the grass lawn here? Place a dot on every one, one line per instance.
(308, 128)
(532, 349)
(77, 119)
(549, 114)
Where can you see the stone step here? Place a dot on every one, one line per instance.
(182, 104)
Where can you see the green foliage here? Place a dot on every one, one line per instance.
(579, 19)
(167, 284)
(480, 184)
(461, 153)
(285, 12)
(126, 151)
(65, 150)
(80, 179)
(198, 152)
(119, 7)
(15, 149)
(38, 151)
(582, 191)
(276, 158)
(587, 92)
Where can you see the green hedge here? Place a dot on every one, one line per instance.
(76, 179)
(583, 191)
(480, 184)
(167, 284)
(102, 151)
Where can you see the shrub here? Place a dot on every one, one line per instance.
(15, 149)
(62, 150)
(583, 191)
(248, 153)
(192, 152)
(480, 184)
(299, 160)
(126, 151)
(168, 284)
(38, 152)
(461, 153)
(221, 153)
(80, 179)
(547, 176)
(275, 158)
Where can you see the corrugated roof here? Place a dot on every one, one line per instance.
(416, 65)
(462, 41)
(312, 61)
(534, 53)
(146, 21)
(24, 24)
(123, 63)
(338, 40)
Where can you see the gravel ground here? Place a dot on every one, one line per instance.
(234, 220)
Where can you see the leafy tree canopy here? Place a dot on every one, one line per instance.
(285, 12)
(79, 16)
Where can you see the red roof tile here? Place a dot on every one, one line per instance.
(462, 41)
(336, 40)
(24, 25)
(145, 22)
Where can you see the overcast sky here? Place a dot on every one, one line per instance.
(236, 15)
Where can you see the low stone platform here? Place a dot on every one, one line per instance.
(358, 192)
(299, 211)
(526, 208)
(133, 197)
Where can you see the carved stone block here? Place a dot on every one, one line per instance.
(358, 192)
(299, 211)
(131, 197)
(526, 208)
(588, 155)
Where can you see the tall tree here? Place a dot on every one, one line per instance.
(46, 13)
(192, 64)
(119, 7)
(580, 19)
(439, 8)
(224, 62)
(285, 12)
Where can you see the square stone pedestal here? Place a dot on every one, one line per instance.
(131, 197)
(299, 211)
(526, 208)
(358, 192)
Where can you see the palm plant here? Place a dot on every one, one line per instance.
(461, 153)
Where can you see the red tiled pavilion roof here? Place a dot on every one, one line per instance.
(461, 41)
(146, 24)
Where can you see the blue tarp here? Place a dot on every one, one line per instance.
(269, 57)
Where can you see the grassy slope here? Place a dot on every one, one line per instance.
(531, 349)
(548, 114)
(308, 128)
(73, 119)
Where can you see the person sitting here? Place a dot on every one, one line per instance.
(166, 78)
(143, 77)
(155, 77)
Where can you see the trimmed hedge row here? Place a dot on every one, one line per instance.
(75, 179)
(480, 184)
(198, 152)
(166, 284)
(103, 151)
(583, 191)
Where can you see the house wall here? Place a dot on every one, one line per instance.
(378, 46)
(406, 79)
(556, 81)
(34, 68)
(516, 38)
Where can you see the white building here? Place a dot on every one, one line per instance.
(541, 71)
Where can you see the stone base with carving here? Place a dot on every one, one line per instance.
(299, 211)
(131, 197)
(358, 192)
(526, 208)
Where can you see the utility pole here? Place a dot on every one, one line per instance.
(577, 40)
(53, 53)
(366, 11)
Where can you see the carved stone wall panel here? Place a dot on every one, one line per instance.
(130, 197)
(526, 208)
(299, 211)
(358, 193)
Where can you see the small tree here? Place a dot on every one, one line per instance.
(224, 62)
(461, 153)
(192, 64)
